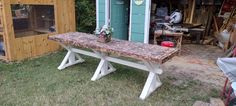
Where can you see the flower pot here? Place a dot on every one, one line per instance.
(104, 39)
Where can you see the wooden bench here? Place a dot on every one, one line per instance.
(152, 56)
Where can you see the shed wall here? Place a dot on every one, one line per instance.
(101, 13)
(32, 46)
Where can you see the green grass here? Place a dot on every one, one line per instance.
(38, 82)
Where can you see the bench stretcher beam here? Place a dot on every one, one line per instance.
(122, 62)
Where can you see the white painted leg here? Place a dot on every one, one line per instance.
(152, 83)
(103, 68)
(70, 59)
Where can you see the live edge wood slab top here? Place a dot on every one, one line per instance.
(140, 51)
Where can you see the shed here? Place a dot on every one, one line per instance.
(26, 24)
(130, 19)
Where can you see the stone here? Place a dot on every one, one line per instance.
(201, 103)
(178, 82)
(216, 102)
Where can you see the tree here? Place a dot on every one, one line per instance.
(86, 15)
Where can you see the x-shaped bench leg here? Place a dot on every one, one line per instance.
(153, 80)
(70, 59)
(103, 68)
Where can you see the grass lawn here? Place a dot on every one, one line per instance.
(38, 82)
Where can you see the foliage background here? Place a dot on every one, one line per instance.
(86, 15)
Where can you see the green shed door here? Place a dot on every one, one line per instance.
(119, 18)
(137, 21)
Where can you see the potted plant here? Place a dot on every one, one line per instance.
(105, 34)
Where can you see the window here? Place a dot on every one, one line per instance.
(2, 51)
(31, 20)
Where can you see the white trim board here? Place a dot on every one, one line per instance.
(107, 18)
(97, 17)
(130, 19)
(147, 21)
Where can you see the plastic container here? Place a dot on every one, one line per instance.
(167, 44)
(225, 35)
(233, 85)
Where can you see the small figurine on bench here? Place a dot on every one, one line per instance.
(105, 34)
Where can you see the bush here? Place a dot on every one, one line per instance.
(86, 15)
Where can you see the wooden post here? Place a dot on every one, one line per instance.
(216, 25)
(192, 11)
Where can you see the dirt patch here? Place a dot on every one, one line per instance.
(197, 62)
